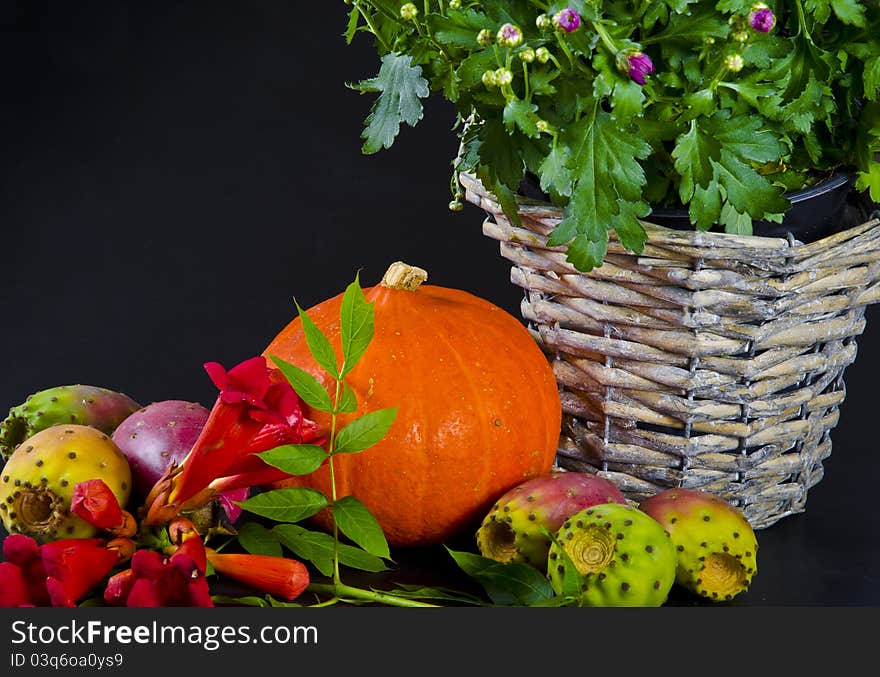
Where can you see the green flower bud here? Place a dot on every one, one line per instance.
(408, 11)
(485, 37)
(542, 54)
(455, 205)
(489, 79)
(734, 63)
(527, 55)
(454, 4)
(543, 126)
(741, 36)
(544, 22)
(503, 76)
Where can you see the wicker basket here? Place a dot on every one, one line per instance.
(710, 361)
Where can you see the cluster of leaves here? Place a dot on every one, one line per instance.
(724, 141)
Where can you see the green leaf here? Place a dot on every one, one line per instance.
(364, 432)
(627, 100)
(870, 181)
(295, 459)
(746, 137)
(319, 344)
(607, 174)
(305, 385)
(520, 114)
(734, 222)
(496, 151)
(317, 548)
(705, 207)
(347, 400)
(849, 12)
(693, 155)
(556, 177)
(356, 521)
(459, 28)
(356, 325)
(353, 19)
(286, 505)
(871, 78)
(512, 584)
(258, 540)
(312, 546)
(401, 87)
(748, 191)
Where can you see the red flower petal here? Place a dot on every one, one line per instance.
(20, 549)
(13, 586)
(75, 566)
(119, 587)
(94, 502)
(144, 594)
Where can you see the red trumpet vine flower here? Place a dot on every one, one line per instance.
(278, 576)
(169, 579)
(157, 580)
(256, 410)
(58, 573)
(75, 566)
(94, 502)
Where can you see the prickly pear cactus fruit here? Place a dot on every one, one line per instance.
(37, 482)
(715, 545)
(81, 404)
(514, 529)
(620, 556)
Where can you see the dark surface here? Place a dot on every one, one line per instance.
(172, 176)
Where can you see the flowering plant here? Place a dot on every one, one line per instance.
(614, 107)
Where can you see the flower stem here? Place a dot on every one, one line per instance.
(341, 591)
(606, 39)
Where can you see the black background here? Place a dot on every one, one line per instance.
(172, 175)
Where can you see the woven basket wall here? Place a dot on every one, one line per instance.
(710, 361)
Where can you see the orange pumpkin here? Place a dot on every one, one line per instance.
(478, 406)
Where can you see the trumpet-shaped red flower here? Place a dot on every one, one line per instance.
(58, 573)
(159, 580)
(75, 566)
(278, 576)
(94, 502)
(256, 410)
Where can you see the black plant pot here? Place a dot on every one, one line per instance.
(826, 208)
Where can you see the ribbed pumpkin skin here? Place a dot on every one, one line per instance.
(479, 409)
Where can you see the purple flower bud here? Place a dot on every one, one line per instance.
(509, 36)
(567, 20)
(636, 65)
(761, 18)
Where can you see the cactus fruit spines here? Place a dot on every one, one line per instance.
(621, 556)
(93, 406)
(715, 545)
(513, 530)
(37, 482)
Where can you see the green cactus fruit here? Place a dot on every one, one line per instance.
(621, 557)
(515, 529)
(37, 482)
(715, 545)
(81, 404)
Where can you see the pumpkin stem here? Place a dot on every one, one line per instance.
(404, 277)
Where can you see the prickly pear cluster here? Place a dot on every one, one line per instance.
(516, 528)
(99, 408)
(716, 548)
(38, 480)
(612, 555)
